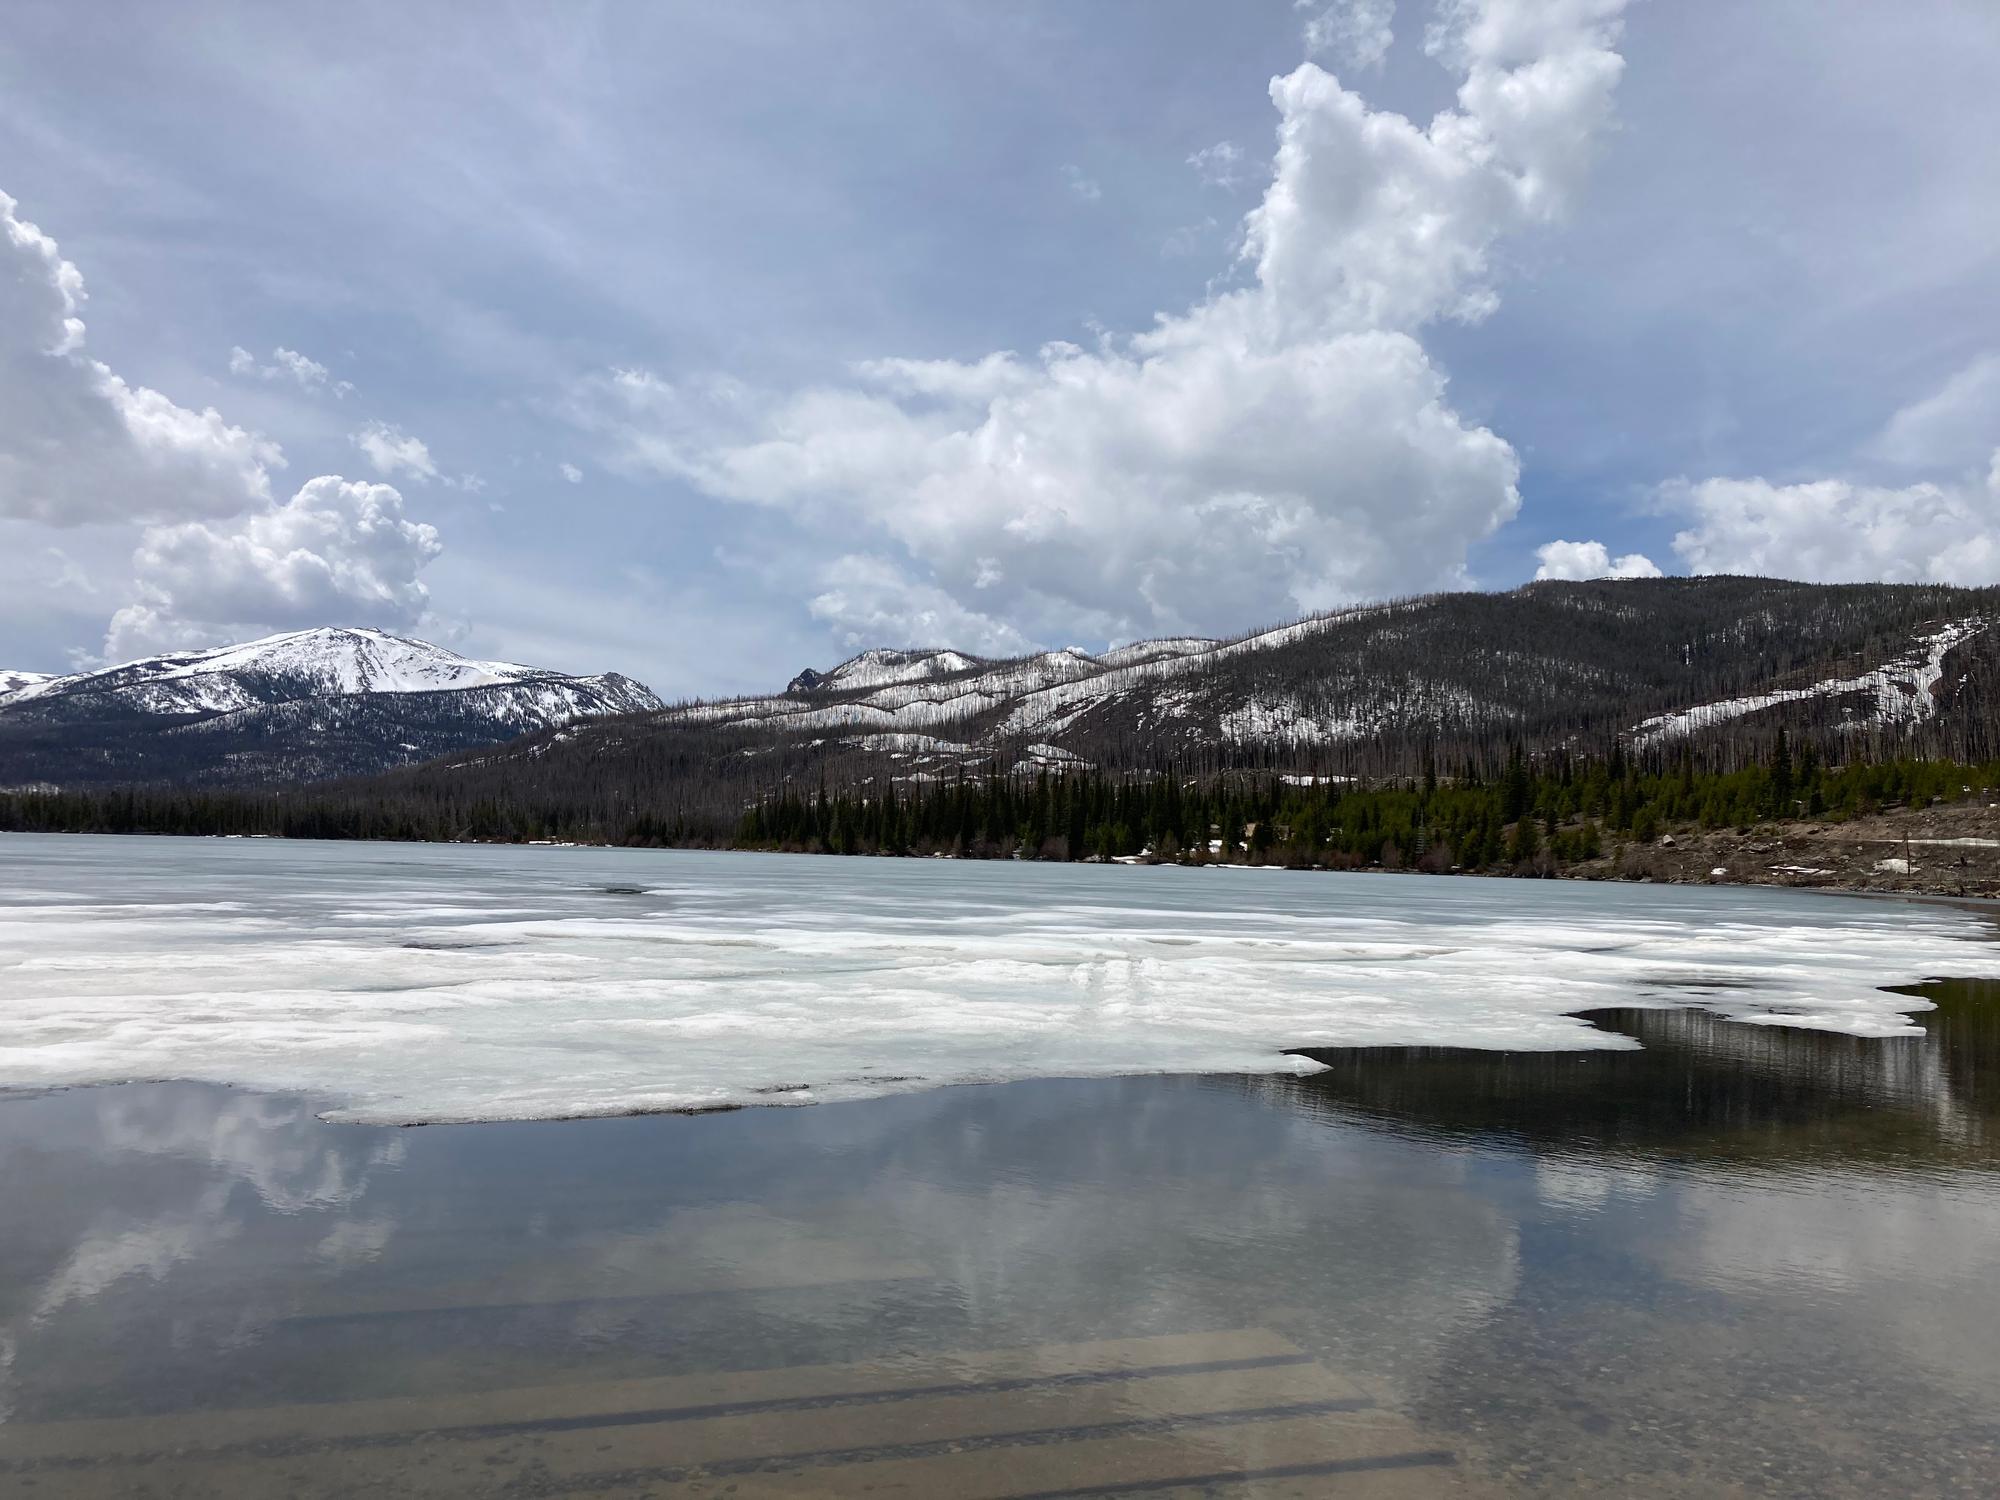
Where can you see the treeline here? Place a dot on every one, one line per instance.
(1530, 817)
(1526, 815)
(351, 814)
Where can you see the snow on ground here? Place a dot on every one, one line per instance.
(1046, 692)
(1281, 719)
(355, 661)
(1140, 652)
(881, 666)
(13, 682)
(414, 982)
(335, 661)
(1902, 688)
(908, 744)
(1044, 695)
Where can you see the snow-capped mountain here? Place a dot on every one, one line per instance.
(878, 668)
(12, 682)
(1224, 691)
(1719, 663)
(303, 705)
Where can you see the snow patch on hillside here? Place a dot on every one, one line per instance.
(1171, 686)
(1280, 720)
(14, 682)
(881, 667)
(1903, 688)
(1046, 691)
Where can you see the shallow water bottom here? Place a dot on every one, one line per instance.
(1739, 1261)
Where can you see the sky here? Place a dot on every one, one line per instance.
(706, 343)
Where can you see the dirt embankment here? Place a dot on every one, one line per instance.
(1949, 849)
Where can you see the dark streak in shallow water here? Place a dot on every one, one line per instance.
(973, 1443)
(664, 1416)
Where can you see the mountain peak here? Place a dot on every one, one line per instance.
(390, 698)
(12, 682)
(881, 666)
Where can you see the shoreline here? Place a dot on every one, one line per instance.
(1664, 862)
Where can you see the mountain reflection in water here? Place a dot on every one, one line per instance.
(1736, 1259)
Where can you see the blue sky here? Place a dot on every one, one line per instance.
(709, 342)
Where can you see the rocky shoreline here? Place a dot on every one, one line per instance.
(1948, 849)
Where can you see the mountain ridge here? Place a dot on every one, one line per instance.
(299, 705)
(1716, 665)
(1046, 694)
(1654, 669)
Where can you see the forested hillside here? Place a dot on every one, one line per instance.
(1648, 669)
(1672, 678)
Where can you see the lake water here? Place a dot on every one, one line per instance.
(1719, 1256)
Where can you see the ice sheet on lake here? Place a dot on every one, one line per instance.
(449, 983)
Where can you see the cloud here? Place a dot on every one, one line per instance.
(62, 574)
(1220, 165)
(947, 379)
(1942, 524)
(571, 472)
(1084, 187)
(870, 601)
(1355, 32)
(1577, 560)
(1838, 531)
(391, 451)
(338, 551)
(1372, 221)
(1284, 445)
(78, 444)
(308, 373)
(1952, 427)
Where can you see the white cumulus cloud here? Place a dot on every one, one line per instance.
(338, 551)
(1357, 33)
(571, 473)
(1838, 531)
(1577, 560)
(1285, 445)
(78, 444)
(870, 601)
(391, 451)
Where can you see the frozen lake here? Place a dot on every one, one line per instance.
(426, 983)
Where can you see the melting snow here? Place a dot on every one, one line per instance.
(13, 682)
(1902, 688)
(411, 982)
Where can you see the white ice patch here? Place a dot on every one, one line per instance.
(413, 982)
